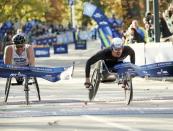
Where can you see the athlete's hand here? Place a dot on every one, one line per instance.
(87, 83)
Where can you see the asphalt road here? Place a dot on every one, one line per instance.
(64, 105)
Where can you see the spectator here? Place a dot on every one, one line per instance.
(167, 15)
(149, 27)
(166, 35)
(7, 39)
(138, 29)
(134, 37)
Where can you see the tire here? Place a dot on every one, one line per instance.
(7, 88)
(91, 93)
(95, 81)
(27, 96)
(37, 88)
(26, 89)
(128, 91)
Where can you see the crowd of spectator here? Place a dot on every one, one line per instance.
(135, 33)
(144, 33)
(34, 29)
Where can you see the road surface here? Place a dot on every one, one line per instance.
(64, 105)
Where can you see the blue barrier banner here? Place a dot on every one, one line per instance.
(69, 36)
(65, 38)
(123, 68)
(162, 69)
(81, 44)
(47, 73)
(42, 52)
(60, 39)
(84, 35)
(60, 49)
(46, 40)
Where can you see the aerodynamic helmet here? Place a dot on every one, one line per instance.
(116, 43)
(18, 39)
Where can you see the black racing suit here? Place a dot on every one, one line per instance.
(110, 61)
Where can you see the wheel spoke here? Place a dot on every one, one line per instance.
(95, 80)
(128, 90)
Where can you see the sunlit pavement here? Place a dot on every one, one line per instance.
(64, 105)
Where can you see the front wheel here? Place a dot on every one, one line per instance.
(128, 90)
(95, 81)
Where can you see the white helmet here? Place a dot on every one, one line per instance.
(116, 43)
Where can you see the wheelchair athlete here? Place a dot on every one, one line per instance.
(19, 54)
(112, 55)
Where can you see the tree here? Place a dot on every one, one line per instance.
(58, 12)
(23, 10)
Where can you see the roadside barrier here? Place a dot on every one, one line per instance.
(152, 52)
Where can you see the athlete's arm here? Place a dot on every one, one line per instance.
(8, 55)
(131, 53)
(31, 57)
(132, 56)
(98, 56)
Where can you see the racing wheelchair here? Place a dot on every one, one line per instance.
(27, 81)
(98, 76)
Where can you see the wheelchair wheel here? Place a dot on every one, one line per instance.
(95, 81)
(26, 89)
(37, 88)
(7, 88)
(27, 97)
(128, 90)
(91, 93)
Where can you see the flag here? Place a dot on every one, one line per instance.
(104, 28)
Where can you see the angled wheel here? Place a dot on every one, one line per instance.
(7, 88)
(37, 87)
(26, 89)
(91, 93)
(128, 90)
(95, 81)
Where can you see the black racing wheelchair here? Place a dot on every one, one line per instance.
(101, 74)
(27, 81)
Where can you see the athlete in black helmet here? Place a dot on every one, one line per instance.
(19, 53)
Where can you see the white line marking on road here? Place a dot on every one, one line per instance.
(120, 126)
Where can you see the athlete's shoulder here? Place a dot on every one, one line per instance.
(9, 47)
(127, 47)
(106, 50)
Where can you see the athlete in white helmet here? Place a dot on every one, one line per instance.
(112, 55)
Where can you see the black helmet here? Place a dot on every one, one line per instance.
(18, 39)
